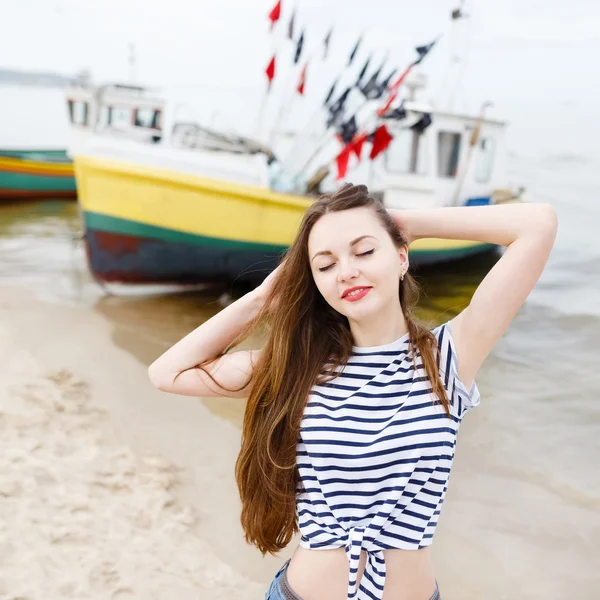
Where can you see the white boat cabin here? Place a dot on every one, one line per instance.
(433, 166)
(438, 167)
(123, 111)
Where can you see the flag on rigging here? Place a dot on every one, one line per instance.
(382, 138)
(275, 14)
(302, 81)
(386, 82)
(397, 114)
(336, 110)
(291, 26)
(372, 89)
(270, 71)
(422, 124)
(354, 51)
(326, 44)
(363, 71)
(348, 130)
(357, 144)
(330, 93)
(341, 161)
(422, 51)
(299, 45)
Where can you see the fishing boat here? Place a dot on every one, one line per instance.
(33, 144)
(195, 205)
(36, 174)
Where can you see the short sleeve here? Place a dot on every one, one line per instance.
(461, 399)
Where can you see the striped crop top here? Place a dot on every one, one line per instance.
(374, 456)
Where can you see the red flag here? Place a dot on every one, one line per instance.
(357, 144)
(275, 14)
(393, 91)
(342, 161)
(302, 81)
(381, 140)
(270, 70)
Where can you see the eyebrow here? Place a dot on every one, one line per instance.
(352, 243)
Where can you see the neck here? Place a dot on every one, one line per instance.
(382, 328)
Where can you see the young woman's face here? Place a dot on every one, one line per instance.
(354, 262)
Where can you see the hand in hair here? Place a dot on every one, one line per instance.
(265, 289)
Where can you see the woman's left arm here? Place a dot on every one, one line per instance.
(528, 231)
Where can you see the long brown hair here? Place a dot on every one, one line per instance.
(304, 333)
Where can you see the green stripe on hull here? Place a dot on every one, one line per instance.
(27, 181)
(437, 255)
(99, 222)
(54, 156)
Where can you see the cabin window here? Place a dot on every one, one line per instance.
(147, 117)
(118, 117)
(121, 117)
(407, 154)
(78, 112)
(486, 151)
(448, 153)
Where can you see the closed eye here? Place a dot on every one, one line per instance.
(323, 269)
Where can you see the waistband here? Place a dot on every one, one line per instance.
(289, 593)
(284, 584)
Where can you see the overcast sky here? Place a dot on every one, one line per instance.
(536, 60)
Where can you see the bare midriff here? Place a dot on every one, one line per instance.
(323, 574)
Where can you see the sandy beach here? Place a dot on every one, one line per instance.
(110, 489)
(96, 476)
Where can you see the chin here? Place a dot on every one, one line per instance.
(361, 309)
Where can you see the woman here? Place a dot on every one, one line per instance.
(353, 408)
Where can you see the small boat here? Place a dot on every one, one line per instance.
(36, 174)
(34, 136)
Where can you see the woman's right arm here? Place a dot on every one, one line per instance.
(174, 371)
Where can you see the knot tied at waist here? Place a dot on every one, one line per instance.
(374, 571)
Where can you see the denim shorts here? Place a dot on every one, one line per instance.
(280, 588)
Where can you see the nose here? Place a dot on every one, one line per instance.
(347, 272)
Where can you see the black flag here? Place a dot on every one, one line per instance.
(291, 26)
(422, 124)
(336, 110)
(354, 51)
(386, 82)
(397, 113)
(372, 89)
(381, 88)
(348, 130)
(422, 51)
(363, 71)
(299, 48)
(330, 93)
(326, 43)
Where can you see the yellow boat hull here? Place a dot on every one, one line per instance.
(146, 225)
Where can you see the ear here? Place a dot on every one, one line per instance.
(403, 254)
